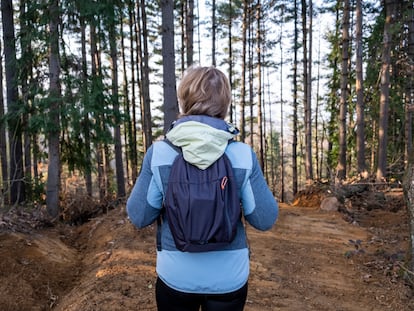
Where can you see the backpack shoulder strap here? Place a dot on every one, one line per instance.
(176, 148)
(159, 218)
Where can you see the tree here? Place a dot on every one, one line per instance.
(259, 44)
(307, 86)
(281, 143)
(409, 195)
(385, 90)
(409, 110)
(227, 13)
(168, 57)
(295, 101)
(231, 65)
(145, 87)
(133, 116)
(17, 187)
(245, 25)
(190, 32)
(125, 98)
(53, 176)
(409, 104)
(120, 178)
(306, 94)
(334, 86)
(341, 167)
(250, 67)
(360, 122)
(86, 126)
(319, 135)
(97, 102)
(213, 32)
(183, 12)
(25, 69)
(3, 146)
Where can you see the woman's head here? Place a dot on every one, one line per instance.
(204, 91)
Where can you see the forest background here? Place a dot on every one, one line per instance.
(89, 85)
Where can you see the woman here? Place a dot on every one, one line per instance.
(214, 280)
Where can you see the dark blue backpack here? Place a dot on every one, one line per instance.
(202, 206)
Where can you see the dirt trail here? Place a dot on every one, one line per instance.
(311, 265)
(311, 260)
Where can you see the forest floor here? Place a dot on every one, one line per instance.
(351, 259)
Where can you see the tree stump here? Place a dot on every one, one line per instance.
(409, 196)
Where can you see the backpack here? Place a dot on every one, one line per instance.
(202, 206)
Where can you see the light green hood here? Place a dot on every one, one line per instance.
(201, 144)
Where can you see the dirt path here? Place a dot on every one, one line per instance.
(306, 262)
(311, 265)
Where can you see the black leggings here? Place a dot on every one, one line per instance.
(169, 299)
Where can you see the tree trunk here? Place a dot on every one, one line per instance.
(85, 121)
(409, 101)
(97, 145)
(259, 84)
(133, 104)
(145, 91)
(3, 146)
(306, 97)
(333, 96)
(26, 67)
(282, 138)
(168, 57)
(53, 175)
(251, 49)
(341, 167)
(360, 122)
(190, 32)
(409, 196)
(183, 13)
(318, 141)
(120, 177)
(230, 40)
(213, 32)
(308, 102)
(127, 129)
(243, 72)
(139, 70)
(17, 189)
(409, 178)
(295, 103)
(385, 91)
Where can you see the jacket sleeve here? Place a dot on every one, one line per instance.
(260, 207)
(145, 201)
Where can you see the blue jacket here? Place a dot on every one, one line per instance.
(202, 139)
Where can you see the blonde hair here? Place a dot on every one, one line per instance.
(204, 91)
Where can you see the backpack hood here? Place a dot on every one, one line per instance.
(203, 139)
